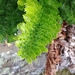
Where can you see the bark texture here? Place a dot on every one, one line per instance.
(61, 52)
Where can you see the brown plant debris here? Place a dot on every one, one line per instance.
(61, 52)
(53, 58)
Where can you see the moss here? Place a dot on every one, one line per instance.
(64, 72)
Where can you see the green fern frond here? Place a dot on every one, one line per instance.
(40, 27)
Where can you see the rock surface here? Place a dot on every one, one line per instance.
(12, 64)
(61, 52)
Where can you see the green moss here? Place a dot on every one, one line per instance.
(64, 72)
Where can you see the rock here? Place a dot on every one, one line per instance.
(12, 64)
(5, 71)
(61, 52)
(1, 62)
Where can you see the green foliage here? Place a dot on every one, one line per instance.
(40, 26)
(10, 16)
(42, 19)
(21, 4)
(67, 10)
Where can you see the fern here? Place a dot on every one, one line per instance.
(40, 26)
(67, 10)
(10, 16)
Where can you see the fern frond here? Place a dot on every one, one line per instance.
(40, 27)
